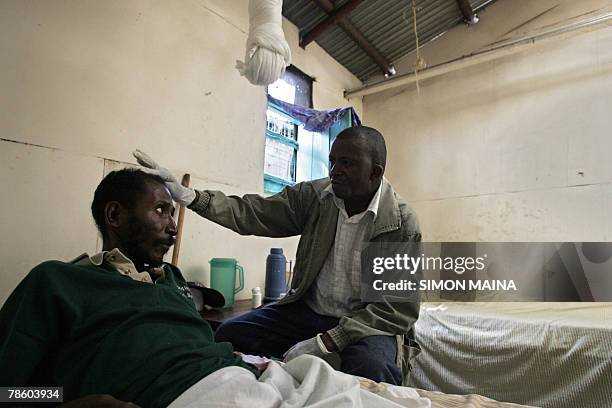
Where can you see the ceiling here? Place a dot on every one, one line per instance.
(367, 36)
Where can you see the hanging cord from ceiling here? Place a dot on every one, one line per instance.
(267, 52)
(420, 61)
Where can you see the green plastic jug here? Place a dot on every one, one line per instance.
(223, 278)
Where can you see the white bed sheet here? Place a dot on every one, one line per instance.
(308, 381)
(540, 354)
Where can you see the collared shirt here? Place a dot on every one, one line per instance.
(120, 262)
(337, 289)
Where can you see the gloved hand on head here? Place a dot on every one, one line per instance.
(181, 194)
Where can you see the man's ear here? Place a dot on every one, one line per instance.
(377, 171)
(114, 214)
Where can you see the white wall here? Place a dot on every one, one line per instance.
(515, 149)
(86, 82)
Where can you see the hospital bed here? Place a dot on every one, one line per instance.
(541, 354)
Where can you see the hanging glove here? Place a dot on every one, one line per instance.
(181, 194)
(310, 346)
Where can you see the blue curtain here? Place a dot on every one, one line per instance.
(315, 120)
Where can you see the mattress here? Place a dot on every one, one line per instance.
(540, 354)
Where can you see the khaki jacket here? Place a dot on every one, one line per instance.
(300, 210)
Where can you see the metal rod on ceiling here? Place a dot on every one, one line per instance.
(488, 54)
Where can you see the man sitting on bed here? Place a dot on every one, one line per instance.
(336, 218)
(120, 322)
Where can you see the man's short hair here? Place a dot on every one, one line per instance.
(123, 186)
(374, 140)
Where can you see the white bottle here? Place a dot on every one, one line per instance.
(256, 297)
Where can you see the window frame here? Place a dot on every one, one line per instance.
(285, 140)
(274, 184)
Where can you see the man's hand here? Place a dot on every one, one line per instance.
(180, 194)
(310, 346)
(98, 401)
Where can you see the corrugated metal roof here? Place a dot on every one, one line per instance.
(387, 24)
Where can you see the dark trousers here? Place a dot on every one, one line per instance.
(272, 330)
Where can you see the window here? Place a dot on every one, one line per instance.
(293, 87)
(294, 154)
(281, 148)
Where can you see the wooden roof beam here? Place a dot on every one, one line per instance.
(468, 12)
(333, 17)
(358, 37)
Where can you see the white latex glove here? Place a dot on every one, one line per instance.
(181, 194)
(309, 346)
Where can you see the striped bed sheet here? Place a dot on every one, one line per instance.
(538, 354)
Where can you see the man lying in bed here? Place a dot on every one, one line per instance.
(120, 322)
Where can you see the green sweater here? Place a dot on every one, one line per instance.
(92, 330)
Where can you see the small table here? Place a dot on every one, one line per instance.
(217, 316)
